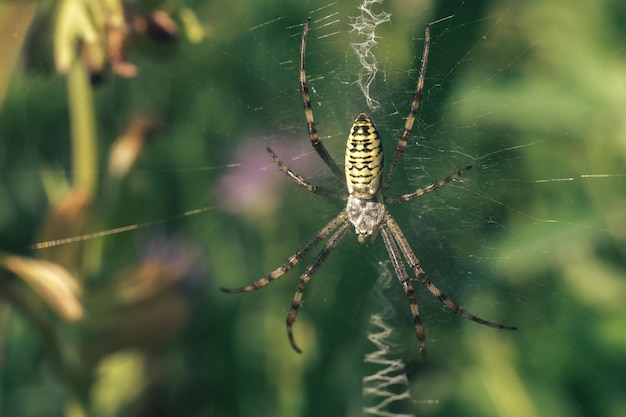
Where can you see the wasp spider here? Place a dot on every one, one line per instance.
(366, 207)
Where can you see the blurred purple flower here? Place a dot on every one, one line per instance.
(255, 184)
(179, 255)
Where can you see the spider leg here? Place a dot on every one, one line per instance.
(306, 276)
(421, 275)
(294, 259)
(302, 182)
(308, 112)
(408, 124)
(427, 188)
(404, 279)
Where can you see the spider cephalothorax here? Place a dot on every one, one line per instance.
(366, 216)
(366, 205)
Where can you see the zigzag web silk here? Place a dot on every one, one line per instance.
(389, 384)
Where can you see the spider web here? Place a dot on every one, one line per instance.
(533, 236)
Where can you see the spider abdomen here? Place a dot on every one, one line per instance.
(364, 159)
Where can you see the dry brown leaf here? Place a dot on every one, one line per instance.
(53, 283)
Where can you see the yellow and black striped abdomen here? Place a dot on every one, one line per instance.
(364, 159)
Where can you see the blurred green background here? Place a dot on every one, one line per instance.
(158, 115)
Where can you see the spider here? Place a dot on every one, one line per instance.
(366, 204)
